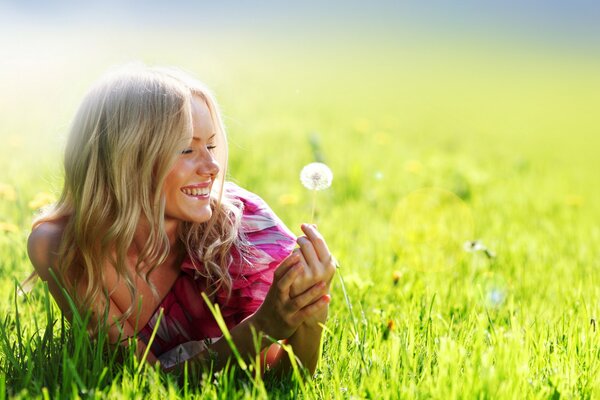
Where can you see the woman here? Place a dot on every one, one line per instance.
(146, 223)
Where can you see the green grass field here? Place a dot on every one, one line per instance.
(431, 145)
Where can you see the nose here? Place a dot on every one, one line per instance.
(208, 165)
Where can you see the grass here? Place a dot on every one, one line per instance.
(511, 133)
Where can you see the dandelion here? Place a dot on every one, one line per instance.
(388, 329)
(573, 200)
(8, 227)
(7, 192)
(316, 176)
(362, 125)
(41, 199)
(15, 141)
(396, 275)
(473, 246)
(288, 199)
(382, 138)
(413, 166)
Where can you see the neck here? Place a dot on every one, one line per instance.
(143, 231)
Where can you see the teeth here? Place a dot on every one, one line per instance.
(196, 191)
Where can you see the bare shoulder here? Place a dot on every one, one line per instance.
(43, 245)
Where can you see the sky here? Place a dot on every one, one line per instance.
(560, 23)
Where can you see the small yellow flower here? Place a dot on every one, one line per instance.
(41, 199)
(288, 199)
(390, 325)
(396, 277)
(15, 141)
(413, 166)
(8, 227)
(382, 138)
(362, 125)
(573, 200)
(388, 329)
(7, 192)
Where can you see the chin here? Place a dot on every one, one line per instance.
(199, 219)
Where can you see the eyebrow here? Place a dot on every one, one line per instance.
(200, 139)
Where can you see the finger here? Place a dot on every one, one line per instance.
(318, 241)
(313, 308)
(285, 265)
(288, 278)
(302, 261)
(314, 293)
(325, 297)
(308, 251)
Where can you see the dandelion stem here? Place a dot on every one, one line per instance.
(314, 205)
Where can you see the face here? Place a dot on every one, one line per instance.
(188, 185)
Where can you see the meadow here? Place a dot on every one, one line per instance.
(464, 209)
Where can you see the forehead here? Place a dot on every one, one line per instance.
(202, 123)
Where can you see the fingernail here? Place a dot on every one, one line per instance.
(315, 226)
(326, 298)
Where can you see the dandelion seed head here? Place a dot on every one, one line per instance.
(473, 246)
(316, 176)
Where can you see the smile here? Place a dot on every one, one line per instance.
(196, 191)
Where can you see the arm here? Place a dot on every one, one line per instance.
(42, 248)
(306, 344)
(278, 317)
(318, 266)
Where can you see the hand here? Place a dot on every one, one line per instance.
(280, 315)
(318, 263)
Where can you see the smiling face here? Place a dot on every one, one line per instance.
(188, 185)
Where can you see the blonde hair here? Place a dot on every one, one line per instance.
(125, 137)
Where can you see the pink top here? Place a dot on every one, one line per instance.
(187, 324)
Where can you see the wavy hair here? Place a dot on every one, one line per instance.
(123, 142)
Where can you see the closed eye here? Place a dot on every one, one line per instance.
(210, 147)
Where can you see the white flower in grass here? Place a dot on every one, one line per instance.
(496, 297)
(473, 246)
(316, 176)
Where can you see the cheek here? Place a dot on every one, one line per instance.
(176, 177)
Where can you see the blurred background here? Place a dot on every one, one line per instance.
(453, 94)
(392, 52)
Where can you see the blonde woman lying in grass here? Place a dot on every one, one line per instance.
(146, 223)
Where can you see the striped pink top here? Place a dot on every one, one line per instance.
(187, 324)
